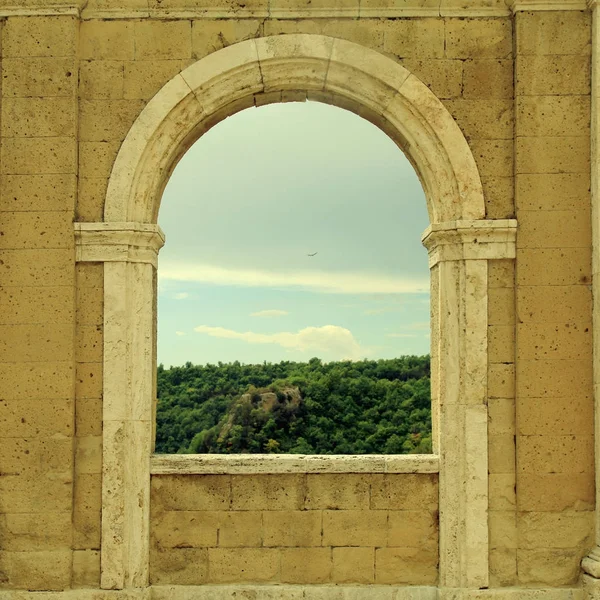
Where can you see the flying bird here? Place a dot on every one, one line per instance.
(313, 254)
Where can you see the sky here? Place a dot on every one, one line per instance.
(245, 209)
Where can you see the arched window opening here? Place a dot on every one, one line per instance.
(293, 290)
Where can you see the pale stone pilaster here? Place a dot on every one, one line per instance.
(129, 252)
(459, 252)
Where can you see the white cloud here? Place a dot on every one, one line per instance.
(270, 313)
(330, 339)
(181, 296)
(180, 333)
(319, 281)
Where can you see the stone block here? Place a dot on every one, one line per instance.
(553, 155)
(101, 79)
(555, 454)
(162, 39)
(20, 494)
(556, 530)
(292, 528)
(502, 491)
(144, 78)
(36, 417)
(24, 343)
(89, 274)
(501, 380)
(488, 78)
(549, 567)
(305, 565)
(554, 229)
(298, 8)
(37, 192)
(413, 529)
(88, 380)
(96, 158)
(553, 32)
(503, 567)
(41, 36)
(43, 570)
(501, 306)
(554, 266)
(88, 417)
(404, 492)
(553, 191)
(106, 40)
(34, 156)
(554, 304)
(86, 569)
(555, 492)
(484, 38)
(483, 119)
(38, 117)
(36, 230)
(36, 267)
(87, 511)
(571, 415)
(267, 492)
(29, 305)
(568, 341)
(354, 528)
(501, 416)
(502, 529)
(105, 120)
(443, 77)
(539, 378)
(494, 158)
(88, 454)
(243, 565)
(39, 77)
(501, 344)
(337, 491)
(210, 35)
(88, 343)
(415, 38)
(185, 492)
(90, 304)
(353, 565)
(501, 453)
(547, 116)
(23, 532)
(499, 197)
(178, 566)
(408, 566)
(501, 273)
(189, 529)
(552, 75)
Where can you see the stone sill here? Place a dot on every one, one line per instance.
(252, 464)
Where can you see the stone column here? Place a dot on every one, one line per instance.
(129, 252)
(459, 252)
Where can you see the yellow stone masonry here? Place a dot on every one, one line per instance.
(495, 103)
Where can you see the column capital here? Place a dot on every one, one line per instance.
(484, 239)
(118, 242)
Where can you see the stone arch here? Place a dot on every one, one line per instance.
(460, 243)
(328, 69)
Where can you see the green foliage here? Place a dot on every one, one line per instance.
(367, 407)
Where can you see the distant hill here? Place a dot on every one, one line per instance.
(367, 407)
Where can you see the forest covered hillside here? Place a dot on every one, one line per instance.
(366, 407)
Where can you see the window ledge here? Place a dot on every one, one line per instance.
(250, 464)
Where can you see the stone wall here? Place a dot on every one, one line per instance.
(72, 85)
(296, 529)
